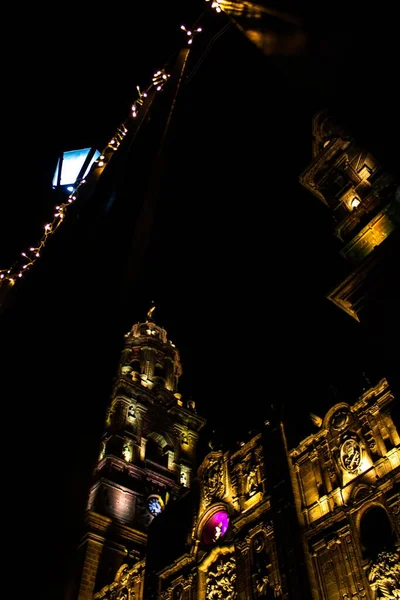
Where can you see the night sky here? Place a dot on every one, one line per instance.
(240, 260)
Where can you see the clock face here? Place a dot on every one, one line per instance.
(215, 528)
(155, 505)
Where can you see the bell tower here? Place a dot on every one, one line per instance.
(146, 458)
(364, 200)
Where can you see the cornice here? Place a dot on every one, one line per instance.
(247, 517)
(183, 561)
(105, 525)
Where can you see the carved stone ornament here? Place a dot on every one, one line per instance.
(123, 594)
(221, 580)
(340, 419)
(384, 575)
(213, 481)
(350, 455)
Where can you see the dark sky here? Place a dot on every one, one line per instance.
(240, 259)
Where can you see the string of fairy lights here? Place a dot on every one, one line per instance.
(28, 258)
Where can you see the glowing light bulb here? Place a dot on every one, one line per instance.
(101, 163)
(355, 203)
(70, 188)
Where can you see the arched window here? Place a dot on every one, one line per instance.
(376, 532)
(136, 366)
(159, 371)
(156, 449)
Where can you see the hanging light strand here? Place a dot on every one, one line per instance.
(29, 257)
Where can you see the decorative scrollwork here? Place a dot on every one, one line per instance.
(350, 455)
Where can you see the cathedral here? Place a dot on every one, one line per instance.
(320, 520)
(170, 515)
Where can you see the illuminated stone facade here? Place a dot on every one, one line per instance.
(365, 203)
(146, 459)
(320, 521)
(348, 476)
(237, 537)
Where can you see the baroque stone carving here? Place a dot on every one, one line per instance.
(213, 481)
(384, 575)
(221, 580)
(350, 455)
(340, 419)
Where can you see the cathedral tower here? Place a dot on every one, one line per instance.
(364, 200)
(365, 203)
(146, 458)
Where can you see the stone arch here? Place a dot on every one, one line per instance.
(158, 438)
(121, 571)
(360, 492)
(157, 446)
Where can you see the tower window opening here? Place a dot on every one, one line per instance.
(159, 371)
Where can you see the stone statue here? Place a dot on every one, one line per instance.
(127, 452)
(262, 585)
(384, 575)
(102, 451)
(252, 485)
